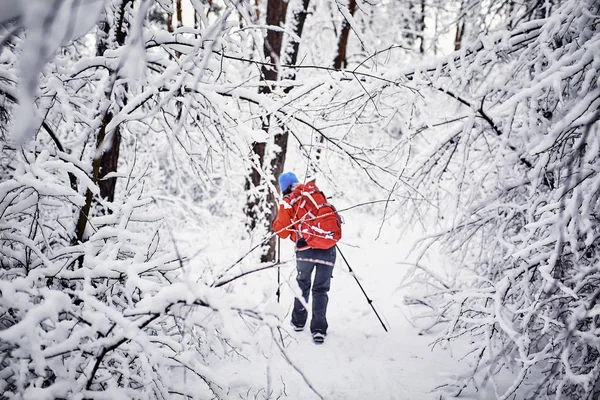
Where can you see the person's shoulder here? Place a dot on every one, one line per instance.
(309, 187)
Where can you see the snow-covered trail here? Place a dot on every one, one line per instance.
(359, 360)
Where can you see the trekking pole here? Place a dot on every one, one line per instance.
(361, 288)
(278, 268)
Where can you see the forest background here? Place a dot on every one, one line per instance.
(125, 124)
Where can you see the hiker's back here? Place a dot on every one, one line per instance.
(318, 222)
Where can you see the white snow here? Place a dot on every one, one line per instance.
(122, 311)
(359, 359)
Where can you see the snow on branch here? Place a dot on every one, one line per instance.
(520, 205)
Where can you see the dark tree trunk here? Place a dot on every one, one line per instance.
(264, 204)
(179, 18)
(276, 10)
(277, 164)
(257, 9)
(299, 17)
(460, 27)
(460, 31)
(96, 172)
(281, 138)
(170, 22)
(339, 61)
(253, 205)
(179, 11)
(107, 162)
(421, 28)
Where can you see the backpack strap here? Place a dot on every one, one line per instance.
(311, 198)
(297, 198)
(292, 199)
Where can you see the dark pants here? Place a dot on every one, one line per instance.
(322, 261)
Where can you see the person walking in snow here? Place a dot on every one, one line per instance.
(294, 220)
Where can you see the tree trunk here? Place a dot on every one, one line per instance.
(281, 137)
(109, 159)
(460, 31)
(253, 205)
(299, 18)
(421, 28)
(96, 172)
(339, 61)
(277, 164)
(276, 10)
(107, 162)
(179, 11)
(263, 204)
(257, 9)
(460, 27)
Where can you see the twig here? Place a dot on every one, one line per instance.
(289, 361)
(366, 204)
(222, 283)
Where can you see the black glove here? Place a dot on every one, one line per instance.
(301, 243)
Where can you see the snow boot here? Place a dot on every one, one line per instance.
(296, 327)
(318, 337)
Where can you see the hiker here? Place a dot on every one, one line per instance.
(302, 206)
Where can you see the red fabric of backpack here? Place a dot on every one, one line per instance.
(318, 222)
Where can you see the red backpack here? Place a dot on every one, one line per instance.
(318, 222)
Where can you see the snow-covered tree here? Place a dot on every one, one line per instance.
(105, 120)
(515, 163)
(92, 300)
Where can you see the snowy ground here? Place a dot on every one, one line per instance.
(358, 360)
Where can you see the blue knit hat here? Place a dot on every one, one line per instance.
(286, 180)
